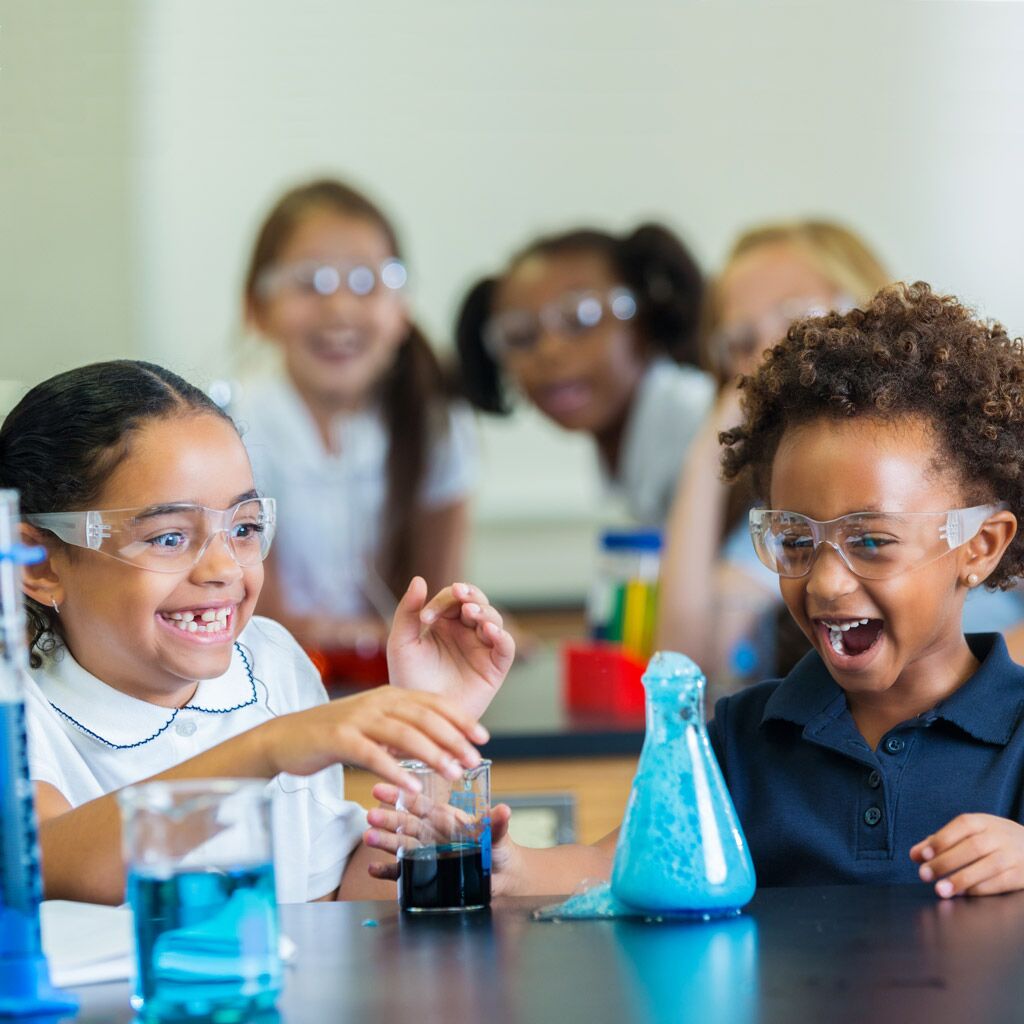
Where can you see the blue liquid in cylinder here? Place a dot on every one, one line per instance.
(681, 848)
(206, 943)
(20, 884)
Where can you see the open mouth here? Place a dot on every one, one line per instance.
(850, 639)
(205, 623)
(565, 398)
(338, 345)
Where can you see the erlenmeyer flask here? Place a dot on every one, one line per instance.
(681, 848)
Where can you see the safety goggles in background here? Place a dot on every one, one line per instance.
(738, 342)
(517, 331)
(312, 278)
(167, 538)
(872, 545)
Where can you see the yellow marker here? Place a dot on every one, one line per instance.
(635, 617)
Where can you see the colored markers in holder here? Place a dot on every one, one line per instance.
(603, 677)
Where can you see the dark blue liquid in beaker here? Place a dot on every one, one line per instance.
(444, 878)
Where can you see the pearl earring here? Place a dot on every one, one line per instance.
(972, 580)
(56, 608)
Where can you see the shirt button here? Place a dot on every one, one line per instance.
(874, 780)
(894, 745)
(872, 816)
(186, 727)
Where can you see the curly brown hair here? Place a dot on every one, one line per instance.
(909, 351)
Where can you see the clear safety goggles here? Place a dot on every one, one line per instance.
(570, 316)
(312, 278)
(738, 342)
(167, 538)
(872, 545)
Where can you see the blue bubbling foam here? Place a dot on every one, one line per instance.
(681, 851)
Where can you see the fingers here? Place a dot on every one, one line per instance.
(988, 875)
(930, 849)
(374, 758)
(427, 720)
(387, 795)
(405, 627)
(461, 719)
(395, 830)
(417, 743)
(386, 871)
(503, 647)
(501, 816)
(449, 604)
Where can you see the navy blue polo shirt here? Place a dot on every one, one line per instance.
(819, 807)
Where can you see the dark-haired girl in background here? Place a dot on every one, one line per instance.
(370, 461)
(599, 332)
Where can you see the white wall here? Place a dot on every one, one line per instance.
(478, 125)
(68, 282)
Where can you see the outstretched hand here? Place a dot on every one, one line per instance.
(454, 645)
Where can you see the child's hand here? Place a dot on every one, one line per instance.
(366, 728)
(455, 645)
(974, 855)
(431, 821)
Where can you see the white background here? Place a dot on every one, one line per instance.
(143, 141)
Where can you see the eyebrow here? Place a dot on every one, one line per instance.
(176, 506)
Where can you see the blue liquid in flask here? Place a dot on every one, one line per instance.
(681, 849)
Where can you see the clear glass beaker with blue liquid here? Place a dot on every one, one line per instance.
(199, 860)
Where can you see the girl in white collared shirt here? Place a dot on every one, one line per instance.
(146, 661)
(357, 437)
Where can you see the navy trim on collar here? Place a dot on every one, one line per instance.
(988, 706)
(174, 714)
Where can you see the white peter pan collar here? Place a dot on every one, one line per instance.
(120, 722)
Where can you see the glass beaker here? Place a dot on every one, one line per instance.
(445, 857)
(681, 848)
(199, 858)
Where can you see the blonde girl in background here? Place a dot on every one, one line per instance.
(718, 603)
(369, 459)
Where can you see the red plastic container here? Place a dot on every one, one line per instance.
(347, 667)
(602, 678)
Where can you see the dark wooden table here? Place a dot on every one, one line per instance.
(844, 954)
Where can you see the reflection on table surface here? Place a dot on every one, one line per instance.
(837, 954)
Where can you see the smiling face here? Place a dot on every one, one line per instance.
(336, 347)
(829, 468)
(123, 623)
(585, 381)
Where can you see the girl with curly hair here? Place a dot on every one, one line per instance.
(886, 447)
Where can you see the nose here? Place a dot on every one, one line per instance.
(550, 344)
(216, 563)
(343, 304)
(830, 577)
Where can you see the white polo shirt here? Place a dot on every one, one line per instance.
(331, 504)
(671, 403)
(87, 739)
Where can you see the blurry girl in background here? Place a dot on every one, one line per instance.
(599, 332)
(718, 603)
(370, 460)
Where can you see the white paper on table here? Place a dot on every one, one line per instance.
(88, 943)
